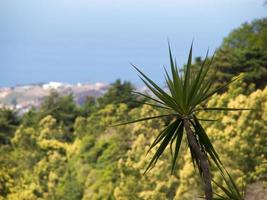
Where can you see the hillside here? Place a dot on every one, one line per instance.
(25, 96)
(71, 147)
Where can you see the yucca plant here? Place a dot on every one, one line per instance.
(188, 92)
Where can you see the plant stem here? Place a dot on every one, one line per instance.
(203, 160)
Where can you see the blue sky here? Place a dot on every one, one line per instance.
(94, 41)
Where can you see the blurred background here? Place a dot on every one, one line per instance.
(66, 78)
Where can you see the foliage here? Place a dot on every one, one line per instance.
(188, 94)
(244, 50)
(62, 151)
(62, 108)
(8, 124)
(119, 93)
(159, 184)
(89, 106)
(108, 163)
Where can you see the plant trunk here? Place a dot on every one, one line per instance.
(203, 160)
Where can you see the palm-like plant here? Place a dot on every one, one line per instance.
(189, 90)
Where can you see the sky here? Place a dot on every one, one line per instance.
(96, 40)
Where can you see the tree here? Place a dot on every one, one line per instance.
(119, 93)
(8, 124)
(189, 92)
(244, 50)
(241, 136)
(30, 118)
(38, 162)
(101, 149)
(89, 106)
(63, 109)
(159, 184)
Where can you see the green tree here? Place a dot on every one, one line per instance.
(158, 184)
(37, 161)
(189, 93)
(101, 149)
(63, 109)
(30, 118)
(244, 50)
(8, 124)
(119, 93)
(89, 106)
(69, 188)
(241, 136)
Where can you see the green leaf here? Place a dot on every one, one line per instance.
(173, 90)
(187, 91)
(205, 141)
(231, 193)
(163, 96)
(225, 190)
(187, 77)
(176, 79)
(221, 88)
(149, 97)
(196, 82)
(153, 105)
(179, 138)
(157, 88)
(162, 146)
(161, 135)
(142, 119)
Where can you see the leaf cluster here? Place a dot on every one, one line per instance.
(188, 92)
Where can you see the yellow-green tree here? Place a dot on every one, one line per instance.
(159, 183)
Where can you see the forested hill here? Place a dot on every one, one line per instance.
(67, 152)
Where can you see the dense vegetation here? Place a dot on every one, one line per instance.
(243, 51)
(62, 151)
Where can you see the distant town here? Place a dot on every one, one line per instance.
(24, 97)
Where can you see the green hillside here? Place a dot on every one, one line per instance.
(67, 152)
